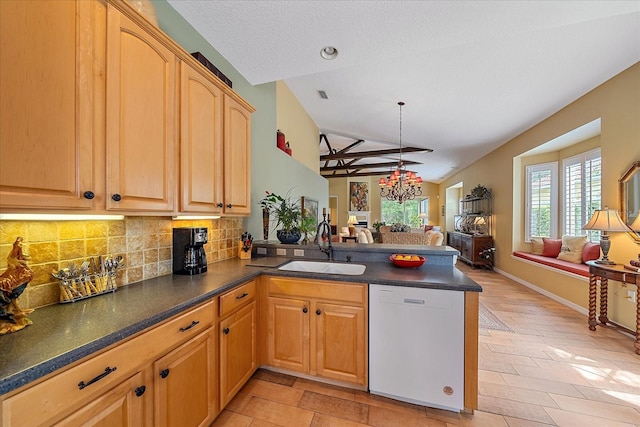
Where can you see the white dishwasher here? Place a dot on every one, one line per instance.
(416, 345)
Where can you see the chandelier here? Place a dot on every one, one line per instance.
(401, 185)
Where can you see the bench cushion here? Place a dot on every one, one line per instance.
(571, 267)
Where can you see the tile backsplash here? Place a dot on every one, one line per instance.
(144, 242)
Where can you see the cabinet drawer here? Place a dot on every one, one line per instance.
(59, 395)
(237, 298)
(354, 293)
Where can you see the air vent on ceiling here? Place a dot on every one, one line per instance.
(323, 94)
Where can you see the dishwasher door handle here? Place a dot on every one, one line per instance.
(413, 301)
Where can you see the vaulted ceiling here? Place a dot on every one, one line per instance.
(473, 74)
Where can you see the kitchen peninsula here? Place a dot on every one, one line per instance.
(65, 338)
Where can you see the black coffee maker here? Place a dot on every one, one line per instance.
(188, 250)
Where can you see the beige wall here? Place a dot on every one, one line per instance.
(300, 131)
(617, 103)
(144, 242)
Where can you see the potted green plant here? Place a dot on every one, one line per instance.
(287, 216)
(307, 225)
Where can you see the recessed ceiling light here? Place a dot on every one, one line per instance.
(329, 53)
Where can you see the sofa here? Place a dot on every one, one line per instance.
(428, 238)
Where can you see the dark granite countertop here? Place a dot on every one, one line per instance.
(62, 334)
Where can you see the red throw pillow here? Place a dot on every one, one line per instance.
(551, 247)
(590, 252)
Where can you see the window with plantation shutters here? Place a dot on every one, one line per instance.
(582, 184)
(541, 216)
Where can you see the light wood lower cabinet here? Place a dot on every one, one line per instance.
(104, 389)
(238, 350)
(318, 327)
(123, 406)
(186, 392)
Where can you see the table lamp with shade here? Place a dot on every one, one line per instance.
(351, 222)
(605, 220)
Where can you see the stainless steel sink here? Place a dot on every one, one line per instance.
(324, 267)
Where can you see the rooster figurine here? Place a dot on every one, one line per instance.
(12, 283)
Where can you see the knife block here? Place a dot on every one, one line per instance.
(242, 254)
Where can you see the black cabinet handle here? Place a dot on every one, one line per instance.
(225, 331)
(116, 197)
(229, 205)
(305, 310)
(88, 195)
(164, 373)
(186, 328)
(242, 296)
(140, 390)
(318, 312)
(106, 372)
(220, 205)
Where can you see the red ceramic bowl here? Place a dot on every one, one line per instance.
(405, 263)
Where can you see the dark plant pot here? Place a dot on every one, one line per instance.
(289, 237)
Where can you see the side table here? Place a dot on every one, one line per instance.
(354, 238)
(603, 273)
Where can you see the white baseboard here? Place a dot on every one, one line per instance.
(546, 293)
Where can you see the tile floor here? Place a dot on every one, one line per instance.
(551, 371)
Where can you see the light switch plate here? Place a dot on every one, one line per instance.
(282, 252)
(298, 252)
(262, 251)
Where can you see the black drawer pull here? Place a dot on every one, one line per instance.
(225, 331)
(220, 205)
(164, 373)
(229, 205)
(186, 328)
(318, 312)
(106, 372)
(305, 310)
(116, 197)
(88, 195)
(140, 390)
(242, 296)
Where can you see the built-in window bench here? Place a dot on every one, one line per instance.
(567, 267)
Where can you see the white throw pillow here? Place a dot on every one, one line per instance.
(537, 245)
(362, 237)
(572, 248)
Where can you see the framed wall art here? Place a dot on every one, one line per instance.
(358, 196)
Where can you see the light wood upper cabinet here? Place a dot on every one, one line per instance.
(201, 162)
(47, 104)
(237, 157)
(140, 118)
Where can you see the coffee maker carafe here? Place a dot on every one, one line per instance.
(188, 250)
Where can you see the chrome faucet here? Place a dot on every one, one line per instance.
(324, 232)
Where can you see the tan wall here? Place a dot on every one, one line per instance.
(144, 242)
(300, 131)
(617, 103)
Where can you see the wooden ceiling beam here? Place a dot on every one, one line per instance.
(374, 153)
(350, 165)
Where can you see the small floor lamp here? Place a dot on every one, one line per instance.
(605, 220)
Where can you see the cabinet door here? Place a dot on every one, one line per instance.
(46, 103)
(141, 140)
(238, 351)
(341, 342)
(237, 158)
(185, 384)
(201, 172)
(288, 334)
(121, 406)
